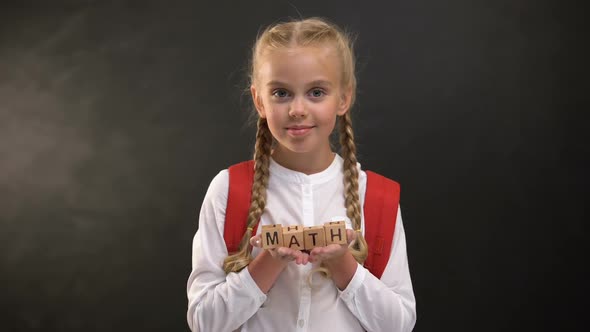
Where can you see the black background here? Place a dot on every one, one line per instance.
(115, 116)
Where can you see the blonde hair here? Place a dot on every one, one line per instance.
(307, 32)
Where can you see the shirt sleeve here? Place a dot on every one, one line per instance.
(385, 304)
(216, 301)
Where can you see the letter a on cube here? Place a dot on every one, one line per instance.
(335, 232)
(272, 236)
(293, 237)
(314, 237)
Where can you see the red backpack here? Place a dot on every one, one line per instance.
(380, 210)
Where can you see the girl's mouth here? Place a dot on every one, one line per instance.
(299, 130)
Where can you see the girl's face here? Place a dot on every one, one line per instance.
(298, 90)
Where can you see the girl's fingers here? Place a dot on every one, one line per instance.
(303, 258)
(315, 254)
(282, 251)
(327, 252)
(299, 259)
(350, 235)
(292, 255)
(287, 253)
(255, 241)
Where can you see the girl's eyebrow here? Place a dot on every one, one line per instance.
(274, 83)
(321, 83)
(312, 83)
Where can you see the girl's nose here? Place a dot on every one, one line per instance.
(297, 108)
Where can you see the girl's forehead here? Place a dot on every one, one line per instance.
(297, 64)
(319, 52)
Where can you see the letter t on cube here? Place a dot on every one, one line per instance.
(314, 237)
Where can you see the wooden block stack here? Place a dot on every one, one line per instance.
(303, 238)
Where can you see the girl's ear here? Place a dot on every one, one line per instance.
(257, 102)
(345, 100)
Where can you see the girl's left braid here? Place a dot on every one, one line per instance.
(351, 186)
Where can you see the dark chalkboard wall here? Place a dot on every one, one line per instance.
(115, 115)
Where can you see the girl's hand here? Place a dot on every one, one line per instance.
(331, 252)
(282, 254)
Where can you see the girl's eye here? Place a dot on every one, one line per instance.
(280, 93)
(317, 93)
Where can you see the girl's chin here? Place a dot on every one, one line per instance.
(298, 150)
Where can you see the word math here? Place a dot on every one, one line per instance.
(303, 238)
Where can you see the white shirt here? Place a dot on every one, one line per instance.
(218, 302)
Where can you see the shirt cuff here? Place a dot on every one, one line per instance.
(251, 287)
(357, 280)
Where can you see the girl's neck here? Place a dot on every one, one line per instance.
(307, 163)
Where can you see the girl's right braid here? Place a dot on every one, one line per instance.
(241, 259)
(261, 172)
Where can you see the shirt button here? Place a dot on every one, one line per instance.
(301, 322)
(262, 299)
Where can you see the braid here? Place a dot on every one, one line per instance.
(241, 259)
(351, 186)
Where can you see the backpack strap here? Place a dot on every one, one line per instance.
(241, 178)
(380, 209)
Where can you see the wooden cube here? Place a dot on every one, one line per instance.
(272, 236)
(293, 237)
(335, 232)
(314, 236)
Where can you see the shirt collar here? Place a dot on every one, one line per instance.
(290, 175)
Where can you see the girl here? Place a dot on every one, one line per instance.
(302, 84)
